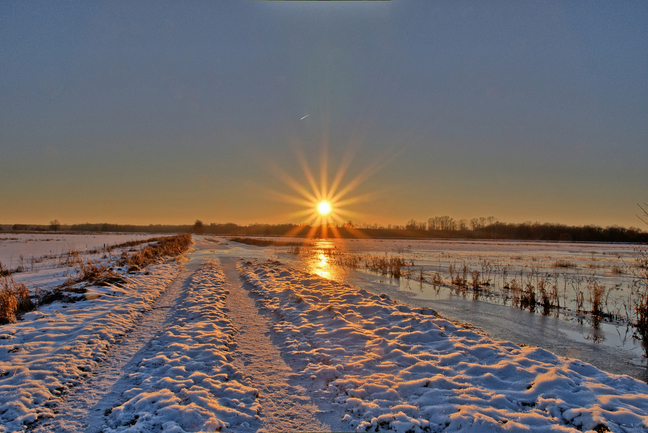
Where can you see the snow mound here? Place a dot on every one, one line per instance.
(398, 369)
(57, 346)
(188, 382)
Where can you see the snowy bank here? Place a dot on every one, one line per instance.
(393, 368)
(57, 346)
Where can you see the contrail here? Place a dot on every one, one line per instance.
(304, 117)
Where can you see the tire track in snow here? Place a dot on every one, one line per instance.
(286, 403)
(84, 407)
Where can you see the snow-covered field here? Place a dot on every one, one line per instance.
(41, 247)
(44, 261)
(368, 362)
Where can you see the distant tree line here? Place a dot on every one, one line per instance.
(490, 228)
(435, 227)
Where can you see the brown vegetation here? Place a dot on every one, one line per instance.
(169, 246)
(14, 300)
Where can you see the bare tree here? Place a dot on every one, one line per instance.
(55, 225)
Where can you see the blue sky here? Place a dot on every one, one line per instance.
(164, 112)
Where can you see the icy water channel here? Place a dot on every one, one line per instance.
(573, 270)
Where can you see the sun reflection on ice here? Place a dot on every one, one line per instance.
(323, 268)
(321, 263)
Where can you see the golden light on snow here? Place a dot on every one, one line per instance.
(324, 208)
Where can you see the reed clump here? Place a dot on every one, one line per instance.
(476, 281)
(393, 266)
(527, 297)
(458, 278)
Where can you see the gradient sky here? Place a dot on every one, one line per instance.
(165, 112)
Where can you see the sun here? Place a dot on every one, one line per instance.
(326, 202)
(324, 208)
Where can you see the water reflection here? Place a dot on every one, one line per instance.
(322, 267)
(321, 264)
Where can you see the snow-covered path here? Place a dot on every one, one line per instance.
(253, 363)
(83, 409)
(286, 404)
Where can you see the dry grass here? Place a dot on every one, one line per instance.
(527, 297)
(4, 272)
(93, 274)
(130, 244)
(102, 275)
(169, 246)
(14, 300)
(437, 279)
(564, 264)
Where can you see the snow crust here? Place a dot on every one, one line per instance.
(394, 368)
(189, 382)
(57, 346)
